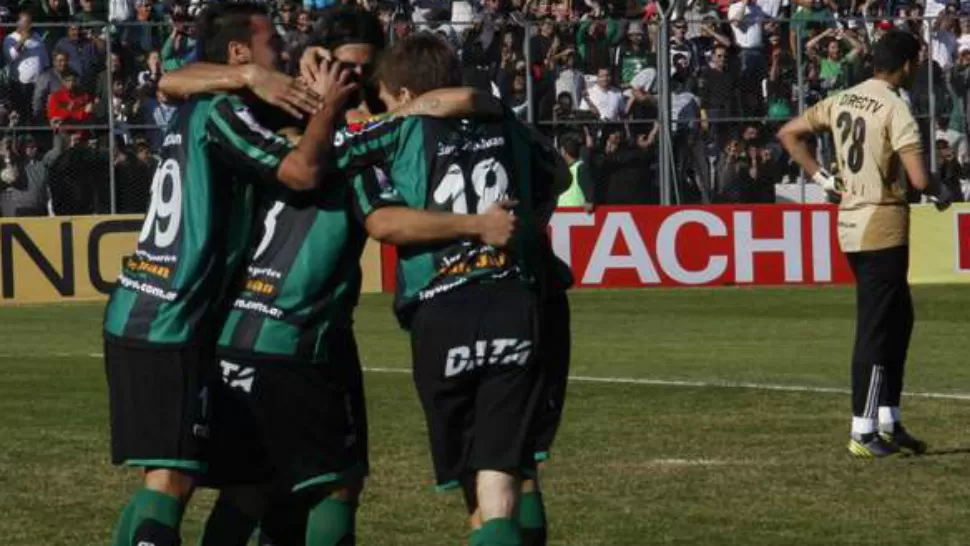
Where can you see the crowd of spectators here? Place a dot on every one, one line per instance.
(585, 71)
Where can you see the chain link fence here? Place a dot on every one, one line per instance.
(676, 106)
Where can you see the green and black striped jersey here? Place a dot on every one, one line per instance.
(457, 166)
(302, 277)
(197, 229)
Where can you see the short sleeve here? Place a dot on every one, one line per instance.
(243, 142)
(819, 117)
(903, 131)
(369, 144)
(372, 189)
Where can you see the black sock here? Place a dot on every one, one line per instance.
(154, 533)
(227, 526)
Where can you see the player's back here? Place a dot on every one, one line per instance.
(195, 229)
(870, 125)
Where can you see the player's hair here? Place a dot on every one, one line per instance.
(571, 145)
(893, 50)
(421, 62)
(221, 24)
(342, 25)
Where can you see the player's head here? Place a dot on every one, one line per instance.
(239, 33)
(895, 56)
(417, 64)
(354, 37)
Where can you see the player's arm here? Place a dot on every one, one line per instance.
(452, 103)
(793, 134)
(288, 94)
(906, 142)
(387, 218)
(254, 149)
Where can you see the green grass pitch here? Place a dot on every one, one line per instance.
(704, 462)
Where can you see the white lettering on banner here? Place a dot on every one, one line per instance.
(504, 351)
(667, 247)
(603, 257)
(560, 225)
(745, 246)
(821, 246)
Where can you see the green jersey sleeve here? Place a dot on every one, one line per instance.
(372, 189)
(242, 141)
(373, 143)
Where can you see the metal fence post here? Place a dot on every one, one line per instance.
(529, 85)
(111, 124)
(932, 103)
(800, 71)
(665, 148)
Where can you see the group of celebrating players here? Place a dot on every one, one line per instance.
(229, 346)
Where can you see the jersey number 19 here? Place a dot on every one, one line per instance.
(165, 213)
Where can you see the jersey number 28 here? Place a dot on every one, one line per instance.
(165, 213)
(853, 134)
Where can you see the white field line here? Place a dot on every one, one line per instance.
(717, 384)
(638, 381)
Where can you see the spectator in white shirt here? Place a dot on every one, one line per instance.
(944, 41)
(570, 79)
(26, 56)
(746, 19)
(603, 99)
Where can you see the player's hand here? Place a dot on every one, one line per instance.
(291, 95)
(827, 181)
(310, 63)
(333, 84)
(497, 224)
(943, 199)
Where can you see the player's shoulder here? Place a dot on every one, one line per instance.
(376, 125)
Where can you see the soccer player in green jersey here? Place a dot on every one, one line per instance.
(289, 414)
(158, 324)
(472, 308)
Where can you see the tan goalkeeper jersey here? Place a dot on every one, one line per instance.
(870, 125)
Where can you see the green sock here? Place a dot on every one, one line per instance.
(227, 526)
(123, 530)
(532, 519)
(497, 532)
(160, 510)
(331, 523)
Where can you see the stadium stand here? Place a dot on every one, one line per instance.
(81, 115)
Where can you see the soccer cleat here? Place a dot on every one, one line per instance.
(902, 438)
(871, 446)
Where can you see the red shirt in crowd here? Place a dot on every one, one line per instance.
(70, 107)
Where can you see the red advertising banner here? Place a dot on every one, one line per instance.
(695, 246)
(963, 241)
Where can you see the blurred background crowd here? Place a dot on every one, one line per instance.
(623, 86)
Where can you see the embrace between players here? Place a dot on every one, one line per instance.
(229, 348)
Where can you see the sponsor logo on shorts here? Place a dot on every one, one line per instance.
(497, 352)
(238, 377)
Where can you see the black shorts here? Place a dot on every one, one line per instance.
(478, 378)
(294, 425)
(157, 405)
(554, 354)
(884, 305)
